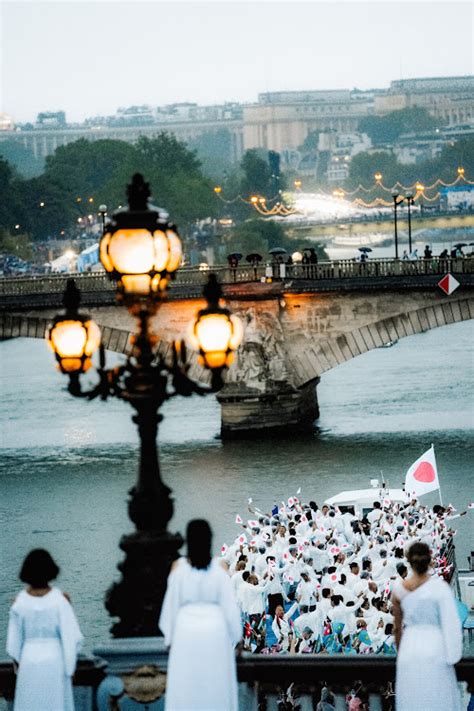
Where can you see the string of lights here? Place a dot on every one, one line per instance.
(261, 204)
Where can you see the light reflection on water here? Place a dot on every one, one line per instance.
(67, 464)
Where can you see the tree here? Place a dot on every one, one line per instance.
(214, 150)
(168, 154)
(256, 174)
(387, 129)
(363, 167)
(21, 158)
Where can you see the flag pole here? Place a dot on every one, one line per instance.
(439, 485)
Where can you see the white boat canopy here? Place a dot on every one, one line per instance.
(366, 497)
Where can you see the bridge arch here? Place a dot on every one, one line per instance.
(21, 326)
(323, 354)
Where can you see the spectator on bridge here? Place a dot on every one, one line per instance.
(43, 638)
(201, 622)
(444, 254)
(427, 253)
(405, 255)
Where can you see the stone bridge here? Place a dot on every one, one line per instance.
(298, 325)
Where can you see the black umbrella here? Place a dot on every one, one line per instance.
(277, 250)
(365, 249)
(234, 255)
(459, 245)
(471, 244)
(254, 257)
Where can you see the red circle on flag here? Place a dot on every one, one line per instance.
(425, 473)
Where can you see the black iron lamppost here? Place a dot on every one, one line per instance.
(410, 201)
(141, 251)
(396, 203)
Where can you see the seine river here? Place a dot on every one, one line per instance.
(66, 465)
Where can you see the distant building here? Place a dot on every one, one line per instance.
(449, 99)
(282, 120)
(51, 119)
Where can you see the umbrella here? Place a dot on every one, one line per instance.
(277, 250)
(365, 249)
(234, 255)
(254, 257)
(459, 245)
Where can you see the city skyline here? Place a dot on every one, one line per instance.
(84, 59)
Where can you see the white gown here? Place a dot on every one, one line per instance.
(44, 639)
(431, 643)
(201, 622)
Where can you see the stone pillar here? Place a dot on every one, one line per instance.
(260, 396)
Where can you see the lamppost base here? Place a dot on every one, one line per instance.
(137, 598)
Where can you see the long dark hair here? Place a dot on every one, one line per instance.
(199, 542)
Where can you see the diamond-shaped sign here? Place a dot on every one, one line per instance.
(448, 284)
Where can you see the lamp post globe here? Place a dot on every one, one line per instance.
(73, 337)
(140, 249)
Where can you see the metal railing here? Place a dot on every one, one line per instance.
(98, 282)
(264, 680)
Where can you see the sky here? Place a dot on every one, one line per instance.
(89, 58)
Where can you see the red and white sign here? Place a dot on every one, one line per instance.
(422, 476)
(448, 284)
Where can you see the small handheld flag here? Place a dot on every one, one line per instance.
(238, 519)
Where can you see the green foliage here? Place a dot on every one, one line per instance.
(101, 170)
(256, 174)
(386, 129)
(17, 244)
(214, 150)
(22, 159)
(310, 143)
(365, 165)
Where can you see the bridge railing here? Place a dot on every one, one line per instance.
(189, 276)
(265, 681)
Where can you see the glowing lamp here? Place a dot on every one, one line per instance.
(74, 337)
(420, 187)
(461, 171)
(254, 199)
(140, 250)
(218, 189)
(216, 333)
(378, 177)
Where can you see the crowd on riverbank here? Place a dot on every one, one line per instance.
(319, 579)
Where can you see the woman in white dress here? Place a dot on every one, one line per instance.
(201, 623)
(43, 639)
(428, 636)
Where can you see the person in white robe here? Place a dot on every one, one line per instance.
(43, 639)
(201, 622)
(429, 638)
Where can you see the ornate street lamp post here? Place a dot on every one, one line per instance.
(141, 251)
(396, 203)
(410, 201)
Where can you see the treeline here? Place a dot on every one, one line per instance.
(80, 176)
(364, 165)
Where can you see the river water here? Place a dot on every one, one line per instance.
(66, 465)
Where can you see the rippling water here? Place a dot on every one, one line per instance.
(66, 465)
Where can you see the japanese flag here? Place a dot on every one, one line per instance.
(238, 519)
(224, 549)
(422, 476)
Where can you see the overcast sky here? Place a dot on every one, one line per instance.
(89, 58)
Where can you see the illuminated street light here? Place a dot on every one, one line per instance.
(138, 247)
(378, 177)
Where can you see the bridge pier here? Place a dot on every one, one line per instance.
(279, 408)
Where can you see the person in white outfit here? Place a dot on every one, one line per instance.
(43, 639)
(201, 622)
(428, 636)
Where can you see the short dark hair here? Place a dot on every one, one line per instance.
(419, 557)
(326, 592)
(38, 568)
(377, 505)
